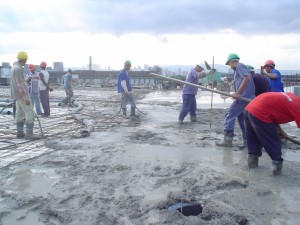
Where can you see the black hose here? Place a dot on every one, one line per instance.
(134, 107)
(6, 106)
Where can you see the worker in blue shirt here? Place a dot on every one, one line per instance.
(124, 88)
(244, 87)
(273, 75)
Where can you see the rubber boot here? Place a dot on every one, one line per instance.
(277, 167)
(193, 118)
(132, 113)
(124, 112)
(29, 132)
(20, 130)
(252, 161)
(227, 141)
(243, 146)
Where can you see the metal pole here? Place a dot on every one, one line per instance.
(212, 94)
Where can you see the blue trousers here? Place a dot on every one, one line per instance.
(260, 134)
(189, 105)
(236, 110)
(35, 101)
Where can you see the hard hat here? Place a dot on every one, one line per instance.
(250, 68)
(43, 64)
(269, 63)
(31, 67)
(199, 64)
(127, 62)
(231, 57)
(22, 55)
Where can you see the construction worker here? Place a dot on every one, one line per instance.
(263, 117)
(244, 87)
(44, 84)
(273, 76)
(67, 80)
(124, 88)
(19, 92)
(261, 83)
(189, 93)
(33, 86)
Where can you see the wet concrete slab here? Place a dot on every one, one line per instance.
(129, 170)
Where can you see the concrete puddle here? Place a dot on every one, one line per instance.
(292, 156)
(33, 181)
(25, 182)
(22, 217)
(182, 153)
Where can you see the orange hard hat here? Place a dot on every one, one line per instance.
(31, 67)
(269, 63)
(43, 64)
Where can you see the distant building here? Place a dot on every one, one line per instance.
(156, 69)
(4, 73)
(146, 67)
(93, 67)
(58, 66)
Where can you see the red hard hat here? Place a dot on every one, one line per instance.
(31, 67)
(269, 62)
(43, 64)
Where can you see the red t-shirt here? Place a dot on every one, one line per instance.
(276, 107)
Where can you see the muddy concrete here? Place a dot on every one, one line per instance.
(129, 171)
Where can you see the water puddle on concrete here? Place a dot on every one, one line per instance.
(290, 197)
(292, 156)
(22, 217)
(182, 154)
(33, 182)
(204, 99)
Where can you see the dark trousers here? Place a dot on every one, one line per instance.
(69, 93)
(189, 105)
(44, 97)
(260, 134)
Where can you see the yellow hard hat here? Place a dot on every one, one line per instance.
(22, 55)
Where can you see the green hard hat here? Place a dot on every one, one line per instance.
(231, 57)
(127, 62)
(249, 67)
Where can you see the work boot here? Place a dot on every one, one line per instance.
(124, 112)
(193, 118)
(132, 113)
(20, 130)
(243, 145)
(227, 141)
(277, 167)
(29, 132)
(252, 161)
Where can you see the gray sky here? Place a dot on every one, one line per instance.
(119, 29)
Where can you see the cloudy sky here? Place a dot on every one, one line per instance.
(156, 32)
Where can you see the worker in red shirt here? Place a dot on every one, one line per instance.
(262, 118)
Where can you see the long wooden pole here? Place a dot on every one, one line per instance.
(202, 87)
